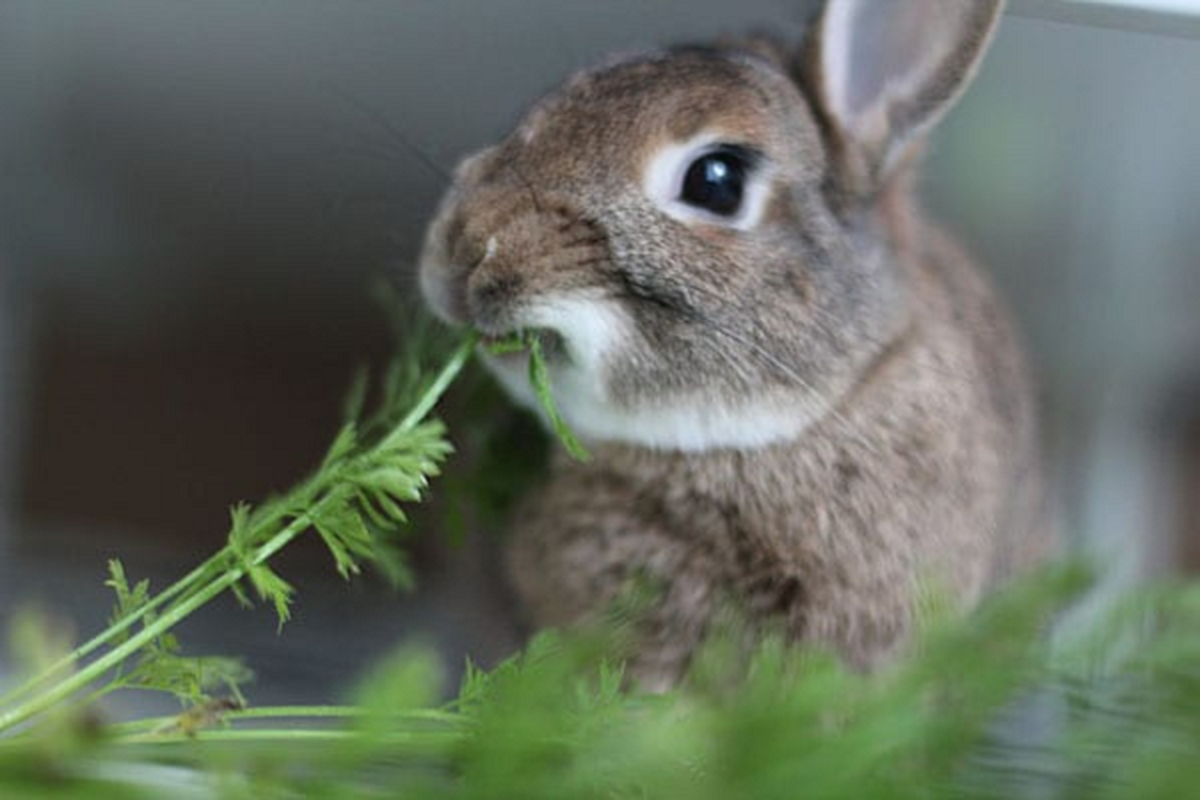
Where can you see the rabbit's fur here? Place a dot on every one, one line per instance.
(815, 408)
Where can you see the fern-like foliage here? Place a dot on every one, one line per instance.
(984, 707)
(353, 501)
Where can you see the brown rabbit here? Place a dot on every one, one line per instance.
(799, 394)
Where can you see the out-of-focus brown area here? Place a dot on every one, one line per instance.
(1189, 528)
(1181, 434)
(161, 434)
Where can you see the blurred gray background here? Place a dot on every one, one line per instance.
(193, 197)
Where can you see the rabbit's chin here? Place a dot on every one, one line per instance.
(589, 334)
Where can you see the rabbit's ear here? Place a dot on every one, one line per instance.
(888, 69)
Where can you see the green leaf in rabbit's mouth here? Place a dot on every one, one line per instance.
(537, 343)
(520, 341)
(506, 344)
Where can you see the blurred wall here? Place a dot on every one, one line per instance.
(196, 194)
(1073, 166)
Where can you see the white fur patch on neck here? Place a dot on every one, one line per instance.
(699, 424)
(593, 330)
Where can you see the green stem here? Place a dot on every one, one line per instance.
(289, 713)
(423, 741)
(344, 712)
(440, 384)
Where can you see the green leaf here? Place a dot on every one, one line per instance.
(408, 679)
(539, 377)
(392, 564)
(390, 508)
(346, 537)
(539, 380)
(192, 680)
(398, 483)
(272, 588)
(240, 529)
(356, 397)
(117, 580)
(343, 444)
(513, 343)
(364, 502)
(129, 600)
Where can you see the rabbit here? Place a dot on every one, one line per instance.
(800, 395)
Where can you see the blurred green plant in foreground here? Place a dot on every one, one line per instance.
(987, 706)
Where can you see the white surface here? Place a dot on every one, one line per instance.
(1155, 6)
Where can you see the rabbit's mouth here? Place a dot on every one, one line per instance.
(517, 344)
(578, 335)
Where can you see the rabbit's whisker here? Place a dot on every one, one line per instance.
(394, 134)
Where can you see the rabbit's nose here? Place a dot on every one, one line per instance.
(487, 296)
(496, 282)
(460, 249)
(508, 248)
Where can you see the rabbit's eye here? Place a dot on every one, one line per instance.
(707, 181)
(716, 182)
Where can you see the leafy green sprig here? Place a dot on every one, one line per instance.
(556, 722)
(353, 500)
